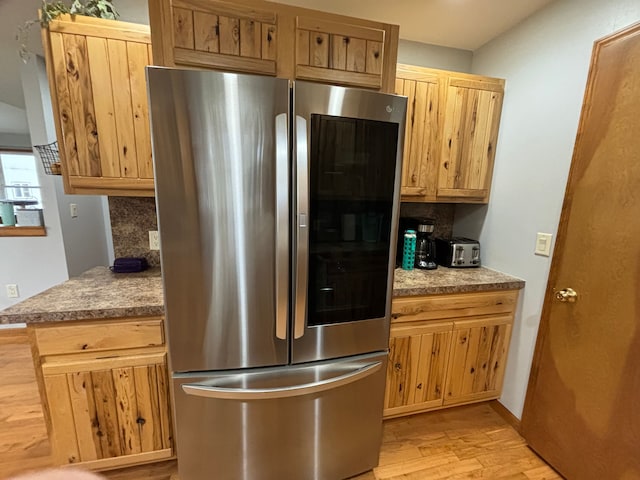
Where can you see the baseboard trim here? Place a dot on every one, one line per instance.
(507, 416)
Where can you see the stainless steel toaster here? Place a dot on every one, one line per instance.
(458, 252)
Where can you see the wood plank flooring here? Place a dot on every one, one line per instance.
(24, 444)
(457, 443)
(464, 442)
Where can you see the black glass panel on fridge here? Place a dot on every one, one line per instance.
(351, 192)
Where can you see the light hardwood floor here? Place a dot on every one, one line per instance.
(457, 443)
(23, 436)
(463, 442)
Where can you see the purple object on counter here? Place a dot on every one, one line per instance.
(129, 265)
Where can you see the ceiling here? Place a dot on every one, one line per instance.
(463, 24)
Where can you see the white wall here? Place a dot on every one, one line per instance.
(434, 56)
(545, 61)
(85, 236)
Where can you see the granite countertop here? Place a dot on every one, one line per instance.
(451, 280)
(99, 293)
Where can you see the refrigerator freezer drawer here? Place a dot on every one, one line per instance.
(315, 421)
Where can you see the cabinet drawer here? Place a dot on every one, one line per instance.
(429, 307)
(99, 336)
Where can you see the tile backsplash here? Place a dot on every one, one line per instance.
(133, 217)
(131, 220)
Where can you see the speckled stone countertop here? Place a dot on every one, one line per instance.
(451, 280)
(97, 293)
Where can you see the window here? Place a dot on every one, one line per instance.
(19, 179)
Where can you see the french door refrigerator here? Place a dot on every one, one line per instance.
(276, 205)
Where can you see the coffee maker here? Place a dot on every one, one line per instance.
(425, 244)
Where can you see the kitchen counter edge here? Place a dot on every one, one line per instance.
(100, 294)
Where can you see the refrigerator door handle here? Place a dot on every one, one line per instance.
(282, 392)
(282, 225)
(302, 227)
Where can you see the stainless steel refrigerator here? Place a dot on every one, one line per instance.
(276, 205)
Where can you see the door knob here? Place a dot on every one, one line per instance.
(567, 295)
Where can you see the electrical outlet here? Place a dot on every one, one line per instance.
(543, 244)
(12, 290)
(73, 210)
(154, 240)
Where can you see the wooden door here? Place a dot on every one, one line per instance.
(478, 358)
(581, 410)
(108, 410)
(472, 116)
(421, 143)
(418, 353)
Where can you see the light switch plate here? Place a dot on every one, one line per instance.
(543, 244)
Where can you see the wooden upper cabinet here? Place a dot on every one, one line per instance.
(99, 98)
(421, 143)
(269, 38)
(225, 35)
(451, 134)
(339, 53)
(471, 120)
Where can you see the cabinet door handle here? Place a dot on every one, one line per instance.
(398, 367)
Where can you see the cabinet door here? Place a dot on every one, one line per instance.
(339, 53)
(418, 354)
(471, 120)
(478, 358)
(224, 36)
(421, 144)
(109, 410)
(97, 79)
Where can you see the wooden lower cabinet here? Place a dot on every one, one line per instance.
(418, 356)
(105, 408)
(478, 357)
(447, 350)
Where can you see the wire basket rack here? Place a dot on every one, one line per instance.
(50, 158)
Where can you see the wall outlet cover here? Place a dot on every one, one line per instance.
(12, 290)
(154, 240)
